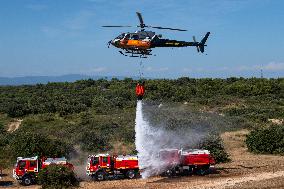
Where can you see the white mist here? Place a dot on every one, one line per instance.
(150, 139)
(148, 144)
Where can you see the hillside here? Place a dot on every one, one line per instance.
(91, 116)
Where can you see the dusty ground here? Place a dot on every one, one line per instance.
(245, 171)
(14, 125)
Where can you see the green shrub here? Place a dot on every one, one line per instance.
(57, 177)
(268, 140)
(214, 144)
(93, 141)
(25, 144)
(4, 149)
(3, 133)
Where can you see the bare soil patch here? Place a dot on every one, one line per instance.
(14, 125)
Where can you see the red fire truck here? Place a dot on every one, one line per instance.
(26, 169)
(186, 162)
(103, 166)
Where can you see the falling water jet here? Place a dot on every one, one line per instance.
(151, 139)
(146, 139)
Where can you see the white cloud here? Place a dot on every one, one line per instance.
(94, 70)
(196, 69)
(151, 69)
(187, 70)
(271, 66)
(243, 68)
(98, 69)
(274, 66)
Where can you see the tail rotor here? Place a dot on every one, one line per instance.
(200, 45)
(194, 40)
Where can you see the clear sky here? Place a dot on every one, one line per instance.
(52, 37)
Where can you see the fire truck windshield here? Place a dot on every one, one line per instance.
(95, 160)
(22, 164)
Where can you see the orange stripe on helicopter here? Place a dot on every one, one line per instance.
(135, 43)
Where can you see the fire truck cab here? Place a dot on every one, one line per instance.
(103, 166)
(26, 169)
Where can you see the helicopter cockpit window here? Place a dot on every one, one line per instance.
(121, 36)
(135, 37)
(127, 36)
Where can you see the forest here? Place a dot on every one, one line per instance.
(99, 115)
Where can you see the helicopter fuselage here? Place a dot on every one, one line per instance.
(146, 40)
(141, 42)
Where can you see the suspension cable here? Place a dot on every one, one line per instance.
(141, 67)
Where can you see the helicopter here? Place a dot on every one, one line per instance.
(141, 43)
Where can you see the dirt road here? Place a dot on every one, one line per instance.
(246, 170)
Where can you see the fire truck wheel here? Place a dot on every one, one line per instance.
(27, 180)
(202, 170)
(169, 173)
(100, 176)
(187, 172)
(130, 174)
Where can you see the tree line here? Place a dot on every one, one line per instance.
(105, 95)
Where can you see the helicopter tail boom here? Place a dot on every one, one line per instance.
(174, 43)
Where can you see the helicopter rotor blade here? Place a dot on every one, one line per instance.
(163, 28)
(142, 25)
(197, 47)
(116, 26)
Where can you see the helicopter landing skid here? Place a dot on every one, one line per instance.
(136, 53)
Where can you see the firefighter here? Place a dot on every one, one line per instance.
(140, 90)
